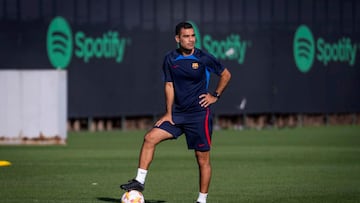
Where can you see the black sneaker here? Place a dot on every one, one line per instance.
(133, 185)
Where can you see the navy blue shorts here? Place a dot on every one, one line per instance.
(197, 128)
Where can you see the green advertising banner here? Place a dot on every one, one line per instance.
(112, 71)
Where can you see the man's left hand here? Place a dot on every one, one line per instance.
(207, 100)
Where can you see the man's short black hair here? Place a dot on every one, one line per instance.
(185, 25)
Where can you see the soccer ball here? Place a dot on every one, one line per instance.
(132, 196)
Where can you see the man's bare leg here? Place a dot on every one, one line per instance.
(203, 159)
(151, 139)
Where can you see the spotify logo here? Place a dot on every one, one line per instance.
(233, 47)
(59, 43)
(307, 50)
(63, 44)
(304, 48)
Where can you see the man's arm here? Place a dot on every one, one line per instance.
(223, 81)
(169, 101)
(208, 99)
(169, 96)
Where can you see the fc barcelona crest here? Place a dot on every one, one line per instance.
(195, 66)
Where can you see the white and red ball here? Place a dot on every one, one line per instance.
(132, 196)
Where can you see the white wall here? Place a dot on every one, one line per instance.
(33, 105)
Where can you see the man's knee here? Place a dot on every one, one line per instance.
(150, 138)
(155, 136)
(203, 158)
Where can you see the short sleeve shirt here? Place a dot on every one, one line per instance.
(190, 76)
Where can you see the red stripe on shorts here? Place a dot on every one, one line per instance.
(207, 133)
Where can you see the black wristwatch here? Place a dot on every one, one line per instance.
(216, 94)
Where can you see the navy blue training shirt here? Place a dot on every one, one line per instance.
(190, 76)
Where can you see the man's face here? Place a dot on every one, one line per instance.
(186, 38)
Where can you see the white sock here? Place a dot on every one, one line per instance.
(141, 175)
(202, 197)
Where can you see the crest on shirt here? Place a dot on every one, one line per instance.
(195, 66)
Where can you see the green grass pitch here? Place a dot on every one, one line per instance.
(318, 164)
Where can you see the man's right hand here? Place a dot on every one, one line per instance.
(166, 117)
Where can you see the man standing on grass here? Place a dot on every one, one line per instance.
(186, 74)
